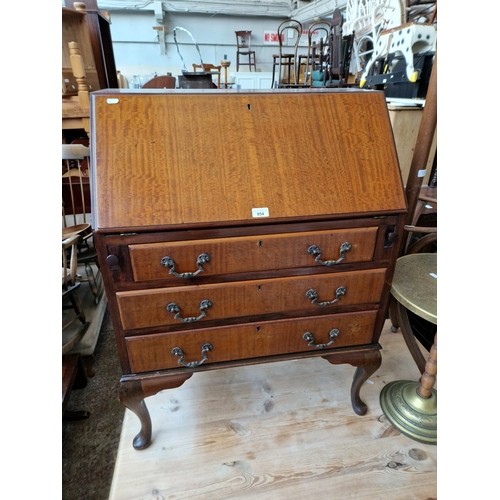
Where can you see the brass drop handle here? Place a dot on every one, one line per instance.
(308, 336)
(177, 351)
(167, 261)
(314, 250)
(174, 308)
(313, 295)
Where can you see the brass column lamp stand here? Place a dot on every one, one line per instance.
(411, 407)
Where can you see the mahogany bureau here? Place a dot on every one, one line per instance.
(239, 227)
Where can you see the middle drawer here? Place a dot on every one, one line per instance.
(200, 303)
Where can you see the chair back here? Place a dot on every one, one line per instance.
(76, 201)
(243, 40)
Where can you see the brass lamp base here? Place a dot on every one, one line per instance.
(409, 412)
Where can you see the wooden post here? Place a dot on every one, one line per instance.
(422, 146)
(78, 69)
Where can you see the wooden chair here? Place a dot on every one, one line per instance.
(160, 82)
(76, 211)
(209, 68)
(287, 62)
(69, 288)
(314, 59)
(335, 61)
(244, 49)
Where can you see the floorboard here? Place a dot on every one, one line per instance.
(277, 431)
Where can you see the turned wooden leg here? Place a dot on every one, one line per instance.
(367, 364)
(134, 391)
(428, 378)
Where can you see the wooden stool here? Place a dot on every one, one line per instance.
(411, 407)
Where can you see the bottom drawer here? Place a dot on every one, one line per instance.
(154, 352)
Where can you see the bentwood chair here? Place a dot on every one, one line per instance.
(286, 61)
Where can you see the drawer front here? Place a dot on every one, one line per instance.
(250, 253)
(154, 352)
(291, 295)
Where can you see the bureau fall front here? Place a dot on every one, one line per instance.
(241, 227)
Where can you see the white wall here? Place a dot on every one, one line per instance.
(137, 49)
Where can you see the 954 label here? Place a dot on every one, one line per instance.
(260, 212)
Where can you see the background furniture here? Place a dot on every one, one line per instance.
(87, 62)
(410, 406)
(73, 377)
(76, 104)
(76, 204)
(415, 289)
(160, 82)
(76, 212)
(195, 80)
(270, 256)
(211, 68)
(244, 50)
(334, 56)
(313, 60)
(69, 288)
(85, 24)
(405, 120)
(287, 62)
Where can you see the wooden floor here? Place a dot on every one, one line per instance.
(277, 431)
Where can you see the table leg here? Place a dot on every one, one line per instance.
(429, 376)
(367, 364)
(411, 341)
(132, 394)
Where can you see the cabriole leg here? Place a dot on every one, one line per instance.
(367, 363)
(132, 395)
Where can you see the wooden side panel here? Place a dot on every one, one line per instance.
(250, 253)
(148, 308)
(187, 157)
(153, 352)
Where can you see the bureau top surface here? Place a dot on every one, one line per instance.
(170, 158)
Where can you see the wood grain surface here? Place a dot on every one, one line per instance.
(148, 308)
(277, 431)
(251, 253)
(176, 157)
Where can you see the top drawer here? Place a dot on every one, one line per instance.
(180, 260)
